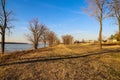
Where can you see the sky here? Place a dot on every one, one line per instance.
(61, 16)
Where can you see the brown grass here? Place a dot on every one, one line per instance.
(98, 65)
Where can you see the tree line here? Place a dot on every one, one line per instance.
(41, 33)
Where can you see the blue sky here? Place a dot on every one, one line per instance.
(61, 16)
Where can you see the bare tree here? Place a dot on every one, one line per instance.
(67, 39)
(98, 9)
(45, 35)
(4, 22)
(36, 31)
(52, 38)
(57, 41)
(115, 11)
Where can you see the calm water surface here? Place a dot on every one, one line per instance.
(19, 47)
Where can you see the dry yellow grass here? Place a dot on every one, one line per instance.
(92, 64)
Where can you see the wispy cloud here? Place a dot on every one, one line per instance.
(62, 8)
(24, 28)
(76, 32)
(77, 12)
(56, 25)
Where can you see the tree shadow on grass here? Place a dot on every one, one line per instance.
(17, 54)
(46, 59)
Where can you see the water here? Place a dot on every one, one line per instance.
(19, 47)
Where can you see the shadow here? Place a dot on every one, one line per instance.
(45, 59)
(16, 54)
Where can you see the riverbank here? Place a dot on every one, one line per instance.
(76, 62)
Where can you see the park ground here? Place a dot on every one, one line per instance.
(62, 62)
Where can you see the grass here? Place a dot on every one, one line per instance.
(97, 65)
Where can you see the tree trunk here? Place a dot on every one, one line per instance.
(44, 44)
(35, 46)
(4, 26)
(44, 40)
(3, 42)
(100, 35)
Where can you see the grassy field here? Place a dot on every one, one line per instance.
(72, 62)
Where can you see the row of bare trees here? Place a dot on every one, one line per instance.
(39, 33)
(102, 9)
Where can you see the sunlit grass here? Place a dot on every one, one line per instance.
(100, 66)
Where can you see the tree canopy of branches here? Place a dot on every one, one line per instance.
(41, 33)
(115, 11)
(98, 9)
(5, 20)
(36, 32)
(67, 39)
(45, 36)
(52, 39)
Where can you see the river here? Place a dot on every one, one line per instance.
(18, 47)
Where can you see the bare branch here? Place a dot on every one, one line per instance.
(98, 9)
(5, 20)
(114, 6)
(52, 38)
(37, 30)
(67, 39)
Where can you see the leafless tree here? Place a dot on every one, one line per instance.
(45, 35)
(52, 38)
(57, 41)
(4, 22)
(67, 39)
(114, 6)
(98, 9)
(36, 32)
